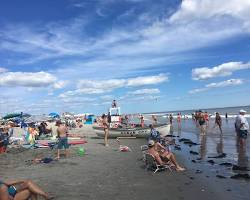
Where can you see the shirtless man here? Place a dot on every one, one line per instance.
(62, 131)
(160, 153)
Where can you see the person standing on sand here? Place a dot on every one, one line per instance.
(218, 121)
(202, 122)
(62, 131)
(241, 125)
(106, 129)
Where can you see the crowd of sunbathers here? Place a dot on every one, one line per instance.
(158, 148)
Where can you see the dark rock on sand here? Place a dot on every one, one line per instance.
(236, 167)
(220, 176)
(241, 176)
(223, 155)
(194, 161)
(226, 164)
(194, 152)
(211, 162)
(177, 148)
(187, 141)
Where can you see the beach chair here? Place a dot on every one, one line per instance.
(151, 164)
(144, 149)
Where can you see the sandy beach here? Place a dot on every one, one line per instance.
(106, 173)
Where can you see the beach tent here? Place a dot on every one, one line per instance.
(36, 118)
(14, 115)
(54, 115)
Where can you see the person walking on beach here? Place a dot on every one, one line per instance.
(241, 126)
(226, 116)
(218, 121)
(179, 121)
(202, 122)
(206, 118)
(154, 118)
(171, 119)
(106, 129)
(62, 131)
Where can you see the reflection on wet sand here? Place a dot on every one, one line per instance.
(241, 147)
(219, 146)
(203, 146)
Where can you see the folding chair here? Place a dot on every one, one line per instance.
(152, 164)
(144, 149)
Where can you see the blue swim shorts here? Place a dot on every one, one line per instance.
(63, 143)
(243, 134)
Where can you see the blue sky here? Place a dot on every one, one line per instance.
(79, 55)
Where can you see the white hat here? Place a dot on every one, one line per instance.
(151, 143)
(242, 111)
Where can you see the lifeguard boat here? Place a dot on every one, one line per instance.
(117, 129)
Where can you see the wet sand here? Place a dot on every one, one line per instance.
(105, 173)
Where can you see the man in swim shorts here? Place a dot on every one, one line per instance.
(241, 125)
(62, 131)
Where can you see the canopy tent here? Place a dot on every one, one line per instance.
(15, 115)
(54, 115)
(36, 118)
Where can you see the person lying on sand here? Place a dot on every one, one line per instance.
(21, 190)
(161, 154)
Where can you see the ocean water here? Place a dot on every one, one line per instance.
(213, 143)
(231, 111)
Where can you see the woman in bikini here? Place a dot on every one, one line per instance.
(21, 190)
(106, 129)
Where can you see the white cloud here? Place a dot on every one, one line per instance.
(2, 70)
(225, 69)
(145, 91)
(104, 86)
(147, 80)
(27, 79)
(196, 9)
(227, 83)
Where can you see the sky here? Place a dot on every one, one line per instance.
(149, 55)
